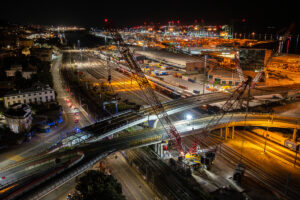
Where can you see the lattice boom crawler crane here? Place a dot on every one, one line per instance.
(155, 103)
(148, 92)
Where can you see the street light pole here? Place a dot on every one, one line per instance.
(267, 135)
(205, 56)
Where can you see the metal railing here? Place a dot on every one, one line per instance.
(66, 177)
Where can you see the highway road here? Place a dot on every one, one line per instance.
(41, 142)
(133, 186)
(145, 137)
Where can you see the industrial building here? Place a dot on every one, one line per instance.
(223, 77)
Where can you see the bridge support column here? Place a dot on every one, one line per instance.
(155, 147)
(155, 123)
(221, 133)
(158, 148)
(226, 132)
(232, 133)
(295, 134)
(272, 117)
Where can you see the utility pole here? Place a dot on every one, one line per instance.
(266, 137)
(205, 57)
(242, 148)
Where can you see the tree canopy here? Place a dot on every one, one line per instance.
(95, 185)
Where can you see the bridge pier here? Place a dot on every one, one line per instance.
(159, 149)
(226, 132)
(295, 135)
(221, 133)
(155, 123)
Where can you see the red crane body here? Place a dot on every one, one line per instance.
(148, 91)
(155, 103)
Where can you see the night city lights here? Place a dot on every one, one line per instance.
(149, 100)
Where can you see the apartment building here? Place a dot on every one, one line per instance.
(36, 95)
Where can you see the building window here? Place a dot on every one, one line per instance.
(29, 95)
(23, 95)
(35, 99)
(51, 91)
(19, 101)
(41, 98)
(29, 100)
(18, 96)
(8, 103)
(40, 93)
(34, 94)
(7, 98)
(224, 82)
(13, 97)
(14, 102)
(24, 100)
(217, 80)
(210, 76)
(236, 83)
(45, 92)
(230, 82)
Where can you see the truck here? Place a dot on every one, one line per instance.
(183, 87)
(166, 67)
(191, 80)
(155, 73)
(162, 73)
(177, 75)
(196, 91)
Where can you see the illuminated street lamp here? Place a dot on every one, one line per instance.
(189, 117)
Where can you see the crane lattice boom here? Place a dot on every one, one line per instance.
(148, 92)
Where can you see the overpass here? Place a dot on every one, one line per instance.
(111, 125)
(43, 171)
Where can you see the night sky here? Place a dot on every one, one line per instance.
(91, 13)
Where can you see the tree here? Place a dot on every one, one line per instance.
(96, 185)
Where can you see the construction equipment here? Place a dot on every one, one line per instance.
(147, 90)
(236, 99)
(285, 37)
(155, 103)
(200, 157)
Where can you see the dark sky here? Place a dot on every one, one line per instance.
(92, 13)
